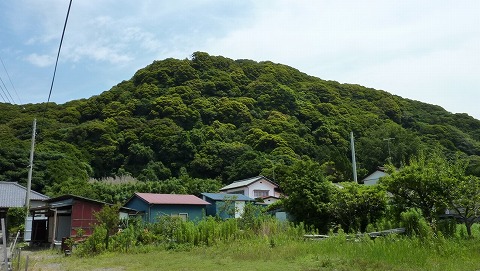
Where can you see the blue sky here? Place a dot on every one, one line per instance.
(422, 50)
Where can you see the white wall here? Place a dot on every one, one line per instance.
(261, 185)
(239, 208)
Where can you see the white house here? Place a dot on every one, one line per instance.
(256, 187)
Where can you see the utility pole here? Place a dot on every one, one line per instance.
(388, 145)
(354, 162)
(30, 169)
(273, 168)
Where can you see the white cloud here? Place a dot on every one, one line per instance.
(423, 50)
(40, 60)
(98, 53)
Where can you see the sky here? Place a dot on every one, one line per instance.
(425, 50)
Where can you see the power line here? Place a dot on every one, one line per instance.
(58, 53)
(6, 90)
(4, 93)
(10, 80)
(2, 97)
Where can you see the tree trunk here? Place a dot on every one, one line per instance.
(106, 240)
(468, 224)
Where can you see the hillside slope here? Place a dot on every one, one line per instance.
(214, 117)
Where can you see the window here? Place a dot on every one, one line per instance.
(183, 216)
(260, 193)
(238, 192)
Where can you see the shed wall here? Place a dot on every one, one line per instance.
(83, 216)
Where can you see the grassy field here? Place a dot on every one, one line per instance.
(390, 253)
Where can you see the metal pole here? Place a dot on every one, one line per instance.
(354, 162)
(30, 170)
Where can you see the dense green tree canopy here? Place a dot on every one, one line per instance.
(211, 117)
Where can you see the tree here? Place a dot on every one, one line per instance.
(425, 184)
(109, 219)
(355, 206)
(465, 200)
(308, 194)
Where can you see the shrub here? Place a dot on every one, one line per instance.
(447, 227)
(16, 219)
(94, 244)
(415, 224)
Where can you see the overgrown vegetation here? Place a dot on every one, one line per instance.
(175, 233)
(16, 219)
(284, 250)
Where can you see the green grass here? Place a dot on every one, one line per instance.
(393, 253)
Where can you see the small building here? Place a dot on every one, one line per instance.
(225, 205)
(188, 207)
(13, 195)
(68, 215)
(256, 187)
(373, 178)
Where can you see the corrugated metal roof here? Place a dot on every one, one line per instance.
(13, 195)
(224, 196)
(152, 198)
(70, 196)
(246, 182)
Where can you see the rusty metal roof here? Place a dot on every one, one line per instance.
(152, 198)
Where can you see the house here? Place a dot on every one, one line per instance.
(12, 195)
(188, 207)
(225, 205)
(68, 216)
(373, 178)
(256, 187)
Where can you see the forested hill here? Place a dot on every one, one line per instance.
(211, 117)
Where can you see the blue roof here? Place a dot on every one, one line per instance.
(225, 196)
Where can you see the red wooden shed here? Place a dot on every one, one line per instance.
(68, 214)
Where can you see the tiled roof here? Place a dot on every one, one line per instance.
(171, 199)
(13, 195)
(246, 182)
(224, 196)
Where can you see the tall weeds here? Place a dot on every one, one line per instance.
(173, 233)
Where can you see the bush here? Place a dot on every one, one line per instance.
(173, 233)
(447, 227)
(16, 219)
(415, 224)
(94, 244)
